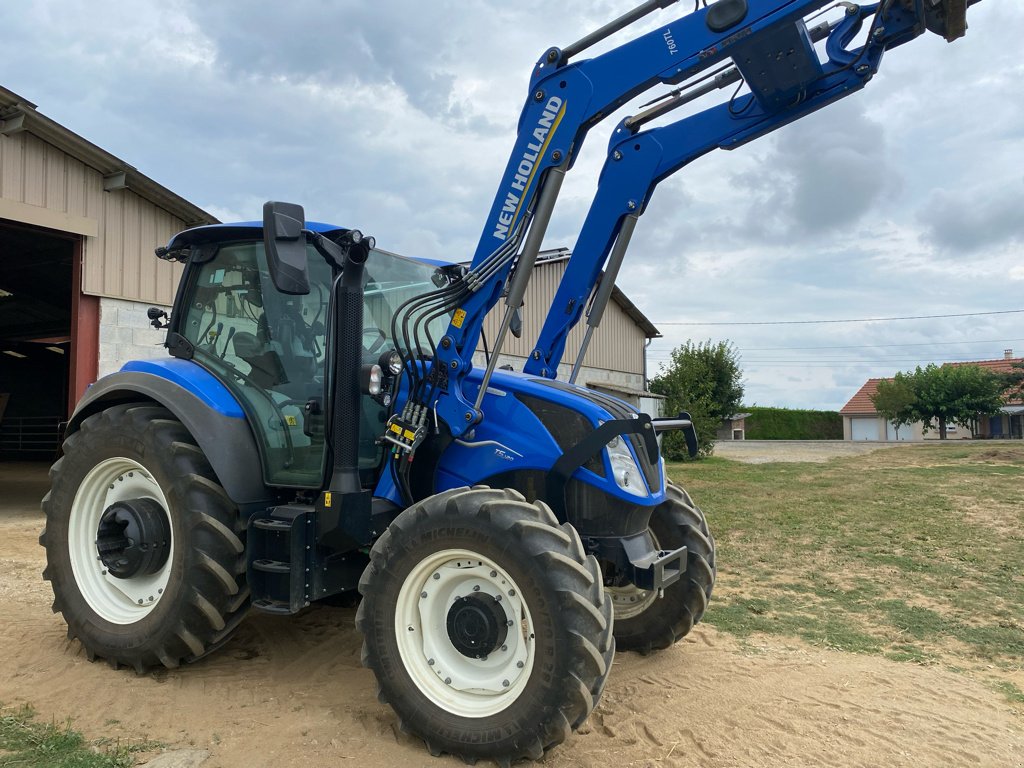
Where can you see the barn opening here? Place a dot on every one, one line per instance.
(36, 296)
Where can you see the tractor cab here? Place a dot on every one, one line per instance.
(272, 349)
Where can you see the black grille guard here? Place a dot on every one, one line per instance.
(592, 444)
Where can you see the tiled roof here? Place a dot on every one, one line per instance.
(860, 404)
(1002, 365)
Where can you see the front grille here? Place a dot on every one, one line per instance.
(618, 410)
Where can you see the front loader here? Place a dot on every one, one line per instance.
(319, 429)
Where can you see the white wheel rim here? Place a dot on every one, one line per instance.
(119, 601)
(461, 685)
(630, 601)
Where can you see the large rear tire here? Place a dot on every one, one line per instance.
(144, 549)
(486, 625)
(643, 621)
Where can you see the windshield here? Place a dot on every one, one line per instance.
(270, 349)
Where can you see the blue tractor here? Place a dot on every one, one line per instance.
(319, 429)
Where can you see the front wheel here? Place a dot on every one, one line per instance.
(645, 622)
(486, 625)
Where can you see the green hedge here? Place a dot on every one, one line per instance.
(791, 424)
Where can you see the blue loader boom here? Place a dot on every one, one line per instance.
(319, 431)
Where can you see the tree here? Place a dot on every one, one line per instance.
(704, 380)
(895, 401)
(955, 394)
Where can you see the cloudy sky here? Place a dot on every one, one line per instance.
(397, 117)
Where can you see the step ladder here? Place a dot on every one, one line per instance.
(280, 550)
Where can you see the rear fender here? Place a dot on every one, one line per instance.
(203, 405)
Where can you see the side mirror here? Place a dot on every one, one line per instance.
(286, 247)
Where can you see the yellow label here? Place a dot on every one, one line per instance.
(291, 421)
(459, 318)
(396, 429)
(409, 434)
(327, 499)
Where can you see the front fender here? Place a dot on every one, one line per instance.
(202, 404)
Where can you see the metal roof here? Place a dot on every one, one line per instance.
(624, 389)
(19, 114)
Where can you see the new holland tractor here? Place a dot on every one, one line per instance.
(318, 426)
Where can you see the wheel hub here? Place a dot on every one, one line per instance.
(133, 538)
(477, 625)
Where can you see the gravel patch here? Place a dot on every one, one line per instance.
(764, 451)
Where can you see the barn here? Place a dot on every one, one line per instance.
(77, 231)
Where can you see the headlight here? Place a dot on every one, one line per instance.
(391, 362)
(624, 469)
(371, 379)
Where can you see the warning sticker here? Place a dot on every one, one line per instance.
(459, 318)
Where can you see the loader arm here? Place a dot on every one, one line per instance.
(766, 42)
(639, 159)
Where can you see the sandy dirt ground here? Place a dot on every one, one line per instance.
(291, 692)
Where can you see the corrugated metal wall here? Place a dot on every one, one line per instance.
(119, 261)
(618, 343)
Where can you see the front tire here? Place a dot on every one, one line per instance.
(171, 598)
(486, 625)
(643, 621)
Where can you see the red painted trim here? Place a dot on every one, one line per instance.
(85, 334)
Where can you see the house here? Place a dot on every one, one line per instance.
(862, 422)
(733, 427)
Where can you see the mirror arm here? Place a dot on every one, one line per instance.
(332, 253)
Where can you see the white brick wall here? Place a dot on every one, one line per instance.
(125, 334)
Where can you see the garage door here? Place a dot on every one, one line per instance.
(904, 432)
(864, 429)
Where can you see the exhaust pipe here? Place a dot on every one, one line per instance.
(346, 394)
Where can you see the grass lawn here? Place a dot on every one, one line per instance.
(27, 743)
(915, 553)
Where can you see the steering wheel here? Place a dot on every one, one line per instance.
(376, 337)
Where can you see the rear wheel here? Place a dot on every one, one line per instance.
(486, 625)
(645, 622)
(144, 550)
